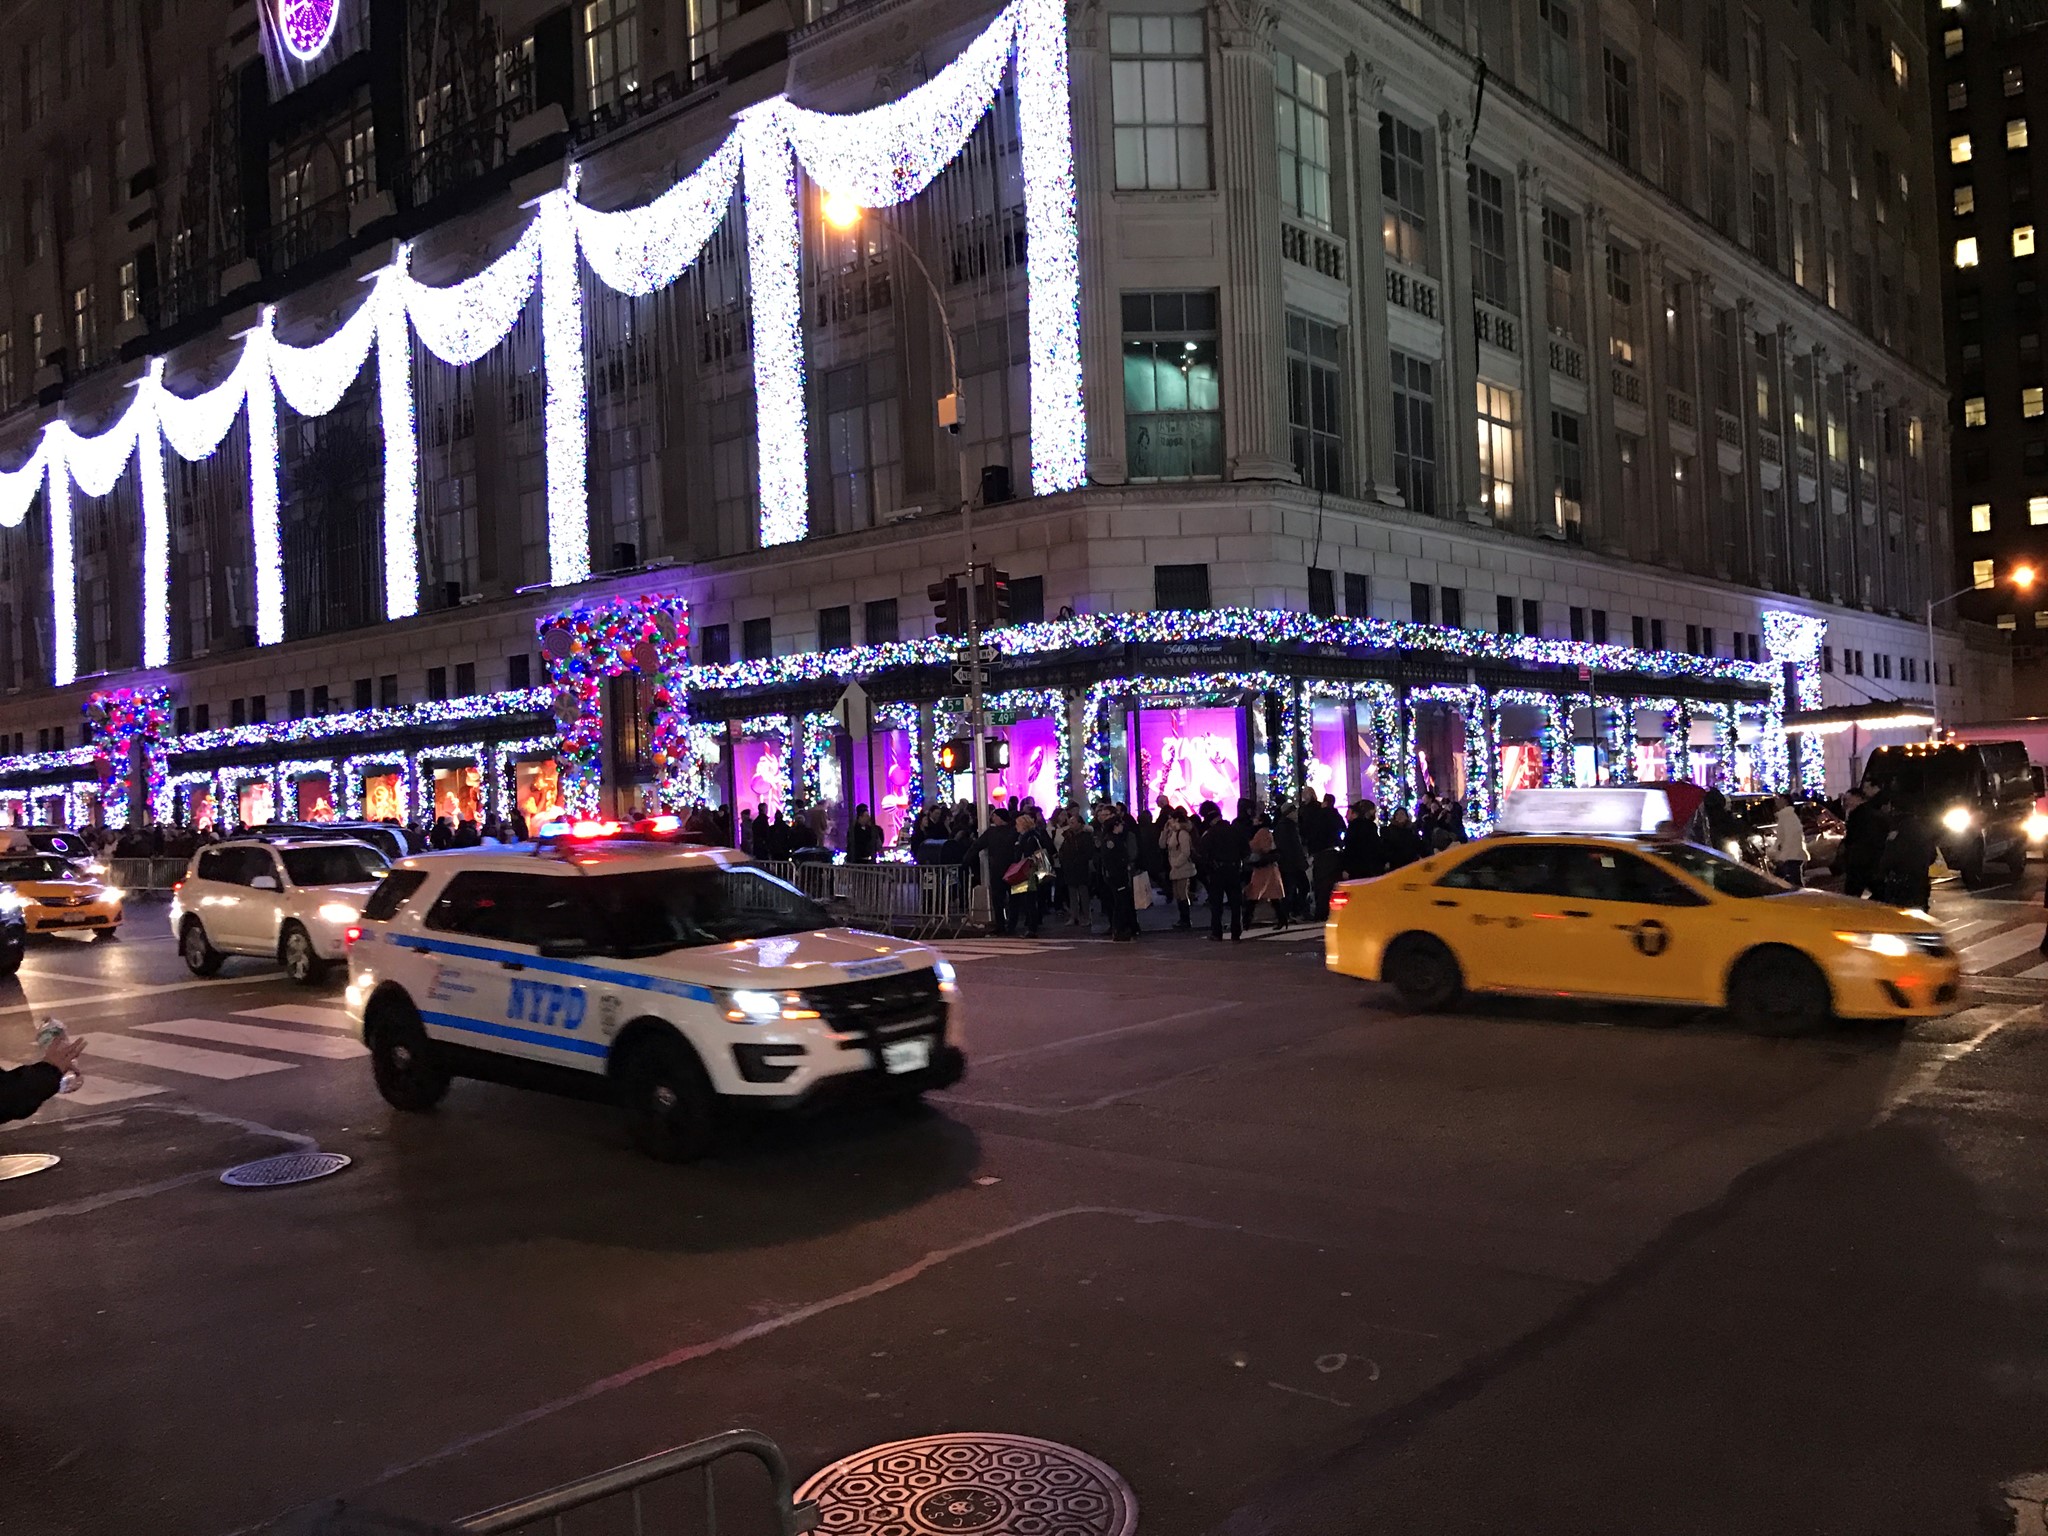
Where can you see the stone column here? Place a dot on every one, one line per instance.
(1373, 409)
(1660, 540)
(1254, 401)
(1855, 564)
(1533, 509)
(1456, 399)
(1788, 452)
(1711, 542)
(1748, 567)
(1827, 582)
(1101, 314)
(1603, 517)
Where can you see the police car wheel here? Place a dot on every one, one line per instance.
(10, 958)
(201, 958)
(300, 962)
(670, 1107)
(1778, 991)
(403, 1061)
(1423, 971)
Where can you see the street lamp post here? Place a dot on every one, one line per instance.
(2022, 577)
(845, 214)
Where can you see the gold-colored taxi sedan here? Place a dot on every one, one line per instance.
(53, 897)
(1638, 918)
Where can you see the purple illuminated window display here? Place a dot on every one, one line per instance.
(761, 776)
(1189, 754)
(1034, 770)
(883, 769)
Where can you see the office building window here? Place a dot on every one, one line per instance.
(1453, 607)
(1980, 517)
(1674, 151)
(1559, 59)
(1421, 602)
(1958, 95)
(465, 679)
(1567, 471)
(716, 649)
(1322, 592)
(1180, 586)
(1577, 618)
(1357, 595)
(1621, 304)
(1981, 575)
(1415, 432)
(1763, 217)
(1404, 192)
(2023, 240)
(1965, 200)
(1951, 42)
(1958, 149)
(1302, 102)
(1560, 261)
(1966, 251)
(85, 336)
(1496, 426)
(1504, 614)
(1315, 401)
(437, 683)
(2037, 511)
(863, 441)
(757, 639)
(1721, 185)
(1714, 37)
(1159, 90)
(878, 619)
(2015, 80)
(1619, 97)
(1639, 632)
(1486, 198)
(835, 627)
(2030, 400)
(1027, 599)
(1173, 408)
(611, 52)
(1532, 616)
(2016, 133)
(1756, 66)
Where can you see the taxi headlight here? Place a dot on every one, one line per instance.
(2036, 827)
(1892, 945)
(1958, 818)
(948, 977)
(111, 893)
(336, 912)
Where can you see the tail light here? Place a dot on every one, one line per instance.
(350, 935)
(1339, 900)
(177, 886)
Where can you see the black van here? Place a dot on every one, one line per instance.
(1978, 796)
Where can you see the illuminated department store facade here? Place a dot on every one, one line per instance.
(592, 470)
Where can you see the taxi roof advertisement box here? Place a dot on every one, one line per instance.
(1623, 812)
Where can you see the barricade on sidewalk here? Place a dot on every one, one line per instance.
(920, 900)
(145, 876)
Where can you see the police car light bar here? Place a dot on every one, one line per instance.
(1616, 812)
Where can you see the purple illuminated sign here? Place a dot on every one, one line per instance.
(1034, 771)
(306, 26)
(1189, 755)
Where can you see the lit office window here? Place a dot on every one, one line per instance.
(1965, 200)
(1959, 149)
(1980, 517)
(2016, 133)
(2023, 240)
(1966, 251)
(2030, 400)
(1980, 575)
(2037, 510)
(1973, 411)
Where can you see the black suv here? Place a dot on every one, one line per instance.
(1977, 795)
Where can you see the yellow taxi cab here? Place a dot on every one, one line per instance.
(1589, 893)
(54, 897)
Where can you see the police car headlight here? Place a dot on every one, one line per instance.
(336, 912)
(745, 1007)
(1892, 945)
(948, 977)
(2036, 827)
(1957, 818)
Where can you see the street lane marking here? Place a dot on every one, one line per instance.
(299, 1013)
(93, 1089)
(296, 1042)
(141, 1051)
(2001, 947)
(130, 994)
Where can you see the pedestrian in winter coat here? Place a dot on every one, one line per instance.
(1221, 852)
(1113, 870)
(1267, 882)
(1863, 838)
(1077, 870)
(863, 838)
(1363, 856)
(1788, 857)
(1177, 842)
(1034, 850)
(995, 851)
(1401, 844)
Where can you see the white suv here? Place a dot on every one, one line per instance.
(681, 976)
(288, 901)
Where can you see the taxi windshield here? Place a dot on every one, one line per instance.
(1720, 873)
(651, 911)
(334, 864)
(41, 867)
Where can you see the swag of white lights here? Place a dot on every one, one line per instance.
(875, 158)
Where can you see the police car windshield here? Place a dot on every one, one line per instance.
(1720, 873)
(651, 911)
(43, 867)
(334, 864)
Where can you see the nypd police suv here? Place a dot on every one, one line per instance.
(678, 976)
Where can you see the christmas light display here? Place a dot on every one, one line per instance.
(305, 27)
(1796, 638)
(156, 527)
(506, 756)
(1059, 424)
(1104, 700)
(63, 572)
(769, 173)
(19, 486)
(563, 404)
(174, 783)
(646, 635)
(128, 716)
(1552, 734)
(638, 250)
(355, 771)
(1471, 703)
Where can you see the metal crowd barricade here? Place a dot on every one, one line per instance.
(635, 1489)
(922, 900)
(139, 876)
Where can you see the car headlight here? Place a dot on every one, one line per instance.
(1733, 848)
(111, 893)
(948, 977)
(1892, 945)
(2036, 827)
(336, 912)
(13, 901)
(746, 1007)
(1958, 818)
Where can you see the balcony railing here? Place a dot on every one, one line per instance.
(303, 233)
(1411, 290)
(462, 147)
(1809, 464)
(641, 100)
(1316, 249)
(1680, 407)
(1771, 447)
(1567, 357)
(1496, 327)
(1728, 427)
(1626, 383)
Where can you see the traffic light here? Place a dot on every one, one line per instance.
(995, 753)
(994, 603)
(957, 755)
(949, 606)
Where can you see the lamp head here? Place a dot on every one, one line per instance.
(841, 211)
(2023, 577)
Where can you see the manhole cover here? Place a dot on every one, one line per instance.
(992, 1485)
(20, 1165)
(291, 1168)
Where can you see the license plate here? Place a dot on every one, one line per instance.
(68, 922)
(906, 1055)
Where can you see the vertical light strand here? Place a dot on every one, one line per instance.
(769, 167)
(401, 447)
(63, 563)
(1059, 426)
(265, 538)
(563, 414)
(156, 524)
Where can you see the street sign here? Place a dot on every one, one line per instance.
(964, 674)
(852, 711)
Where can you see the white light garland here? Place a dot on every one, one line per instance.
(63, 576)
(637, 250)
(266, 538)
(564, 405)
(463, 321)
(313, 379)
(779, 413)
(401, 448)
(18, 487)
(1059, 425)
(156, 523)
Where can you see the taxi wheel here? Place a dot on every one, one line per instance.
(1423, 971)
(670, 1107)
(300, 962)
(1778, 991)
(102, 935)
(403, 1061)
(201, 958)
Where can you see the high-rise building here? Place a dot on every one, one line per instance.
(1438, 395)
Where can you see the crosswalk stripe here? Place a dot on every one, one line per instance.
(293, 1041)
(2001, 947)
(141, 1051)
(299, 1013)
(93, 1089)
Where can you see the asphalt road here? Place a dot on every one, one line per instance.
(1287, 1258)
